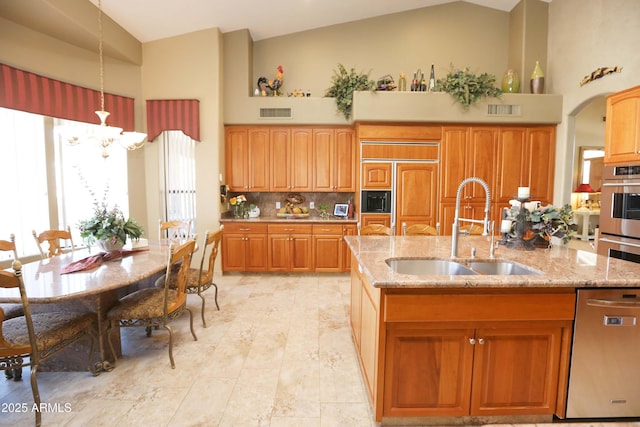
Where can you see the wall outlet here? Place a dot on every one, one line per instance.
(312, 205)
(277, 205)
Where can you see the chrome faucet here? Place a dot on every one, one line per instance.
(457, 219)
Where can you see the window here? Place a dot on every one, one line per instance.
(179, 180)
(59, 195)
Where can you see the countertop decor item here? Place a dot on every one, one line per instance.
(254, 211)
(511, 82)
(108, 228)
(537, 79)
(344, 83)
(238, 205)
(468, 88)
(543, 221)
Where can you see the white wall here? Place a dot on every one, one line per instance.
(583, 36)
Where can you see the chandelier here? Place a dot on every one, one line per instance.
(104, 134)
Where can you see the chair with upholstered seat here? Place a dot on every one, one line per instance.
(174, 230)
(420, 230)
(37, 337)
(472, 230)
(53, 238)
(375, 230)
(157, 306)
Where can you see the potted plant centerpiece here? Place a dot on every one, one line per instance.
(108, 228)
(544, 222)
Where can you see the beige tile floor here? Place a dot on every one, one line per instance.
(278, 353)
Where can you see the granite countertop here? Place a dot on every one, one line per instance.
(561, 266)
(228, 217)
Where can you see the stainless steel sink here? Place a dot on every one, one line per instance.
(428, 267)
(505, 268)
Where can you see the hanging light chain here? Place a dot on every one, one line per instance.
(101, 55)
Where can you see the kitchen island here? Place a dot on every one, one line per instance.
(469, 348)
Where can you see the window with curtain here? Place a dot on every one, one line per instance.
(79, 175)
(179, 177)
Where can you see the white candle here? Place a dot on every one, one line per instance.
(505, 226)
(523, 193)
(531, 206)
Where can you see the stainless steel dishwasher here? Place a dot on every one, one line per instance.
(604, 378)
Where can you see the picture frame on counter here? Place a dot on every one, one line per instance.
(341, 210)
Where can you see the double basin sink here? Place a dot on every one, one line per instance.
(447, 267)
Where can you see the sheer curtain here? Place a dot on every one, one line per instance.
(179, 179)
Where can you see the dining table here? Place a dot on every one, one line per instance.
(52, 285)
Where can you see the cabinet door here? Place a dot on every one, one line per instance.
(236, 155)
(323, 159)
(301, 253)
(348, 230)
(355, 312)
(471, 210)
(279, 141)
(344, 179)
(301, 159)
(279, 252)
(416, 194)
(370, 219)
(623, 127)
(481, 155)
(512, 171)
(328, 248)
(516, 371)
(427, 372)
(258, 159)
(452, 159)
(233, 252)
(376, 176)
(541, 143)
(256, 252)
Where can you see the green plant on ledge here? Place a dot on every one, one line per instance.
(344, 84)
(467, 88)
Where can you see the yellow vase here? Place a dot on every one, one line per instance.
(511, 82)
(537, 79)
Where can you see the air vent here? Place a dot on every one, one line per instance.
(503, 110)
(275, 113)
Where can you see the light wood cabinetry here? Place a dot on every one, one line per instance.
(291, 159)
(244, 247)
(247, 158)
(334, 160)
(371, 219)
(376, 176)
(328, 247)
(347, 230)
(462, 352)
(290, 247)
(416, 194)
(622, 128)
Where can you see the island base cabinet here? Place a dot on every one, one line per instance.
(488, 371)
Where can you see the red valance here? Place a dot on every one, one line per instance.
(173, 114)
(26, 91)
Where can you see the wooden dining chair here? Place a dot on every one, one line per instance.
(420, 230)
(157, 306)
(472, 230)
(53, 238)
(174, 230)
(10, 310)
(36, 337)
(375, 230)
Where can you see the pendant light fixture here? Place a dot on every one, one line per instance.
(106, 135)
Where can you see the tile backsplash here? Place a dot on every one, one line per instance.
(267, 201)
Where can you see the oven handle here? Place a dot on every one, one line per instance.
(618, 242)
(620, 184)
(613, 303)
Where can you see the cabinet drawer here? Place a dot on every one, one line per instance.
(244, 227)
(479, 307)
(328, 229)
(289, 228)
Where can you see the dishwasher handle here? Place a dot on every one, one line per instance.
(614, 303)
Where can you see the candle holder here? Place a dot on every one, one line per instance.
(520, 228)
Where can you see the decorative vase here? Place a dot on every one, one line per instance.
(537, 79)
(238, 210)
(511, 82)
(255, 212)
(109, 246)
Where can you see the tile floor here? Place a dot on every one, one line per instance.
(279, 353)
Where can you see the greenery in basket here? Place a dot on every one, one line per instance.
(547, 221)
(109, 225)
(323, 209)
(344, 84)
(468, 88)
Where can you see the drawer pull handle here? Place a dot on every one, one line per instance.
(480, 341)
(472, 341)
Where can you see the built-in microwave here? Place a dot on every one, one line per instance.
(376, 201)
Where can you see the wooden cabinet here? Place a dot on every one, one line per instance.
(622, 129)
(526, 158)
(290, 247)
(244, 247)
(347, 230)
(330, 251)
(473, 353)
(247, 158)
(416, 194)
(334, 160)
(376, 176)
(291, 151)
(370, 219)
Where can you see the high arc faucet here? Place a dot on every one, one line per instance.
(456, 220)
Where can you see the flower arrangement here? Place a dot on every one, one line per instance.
(466, 87)
(109, 225)
(545, 221)
(238, 205)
